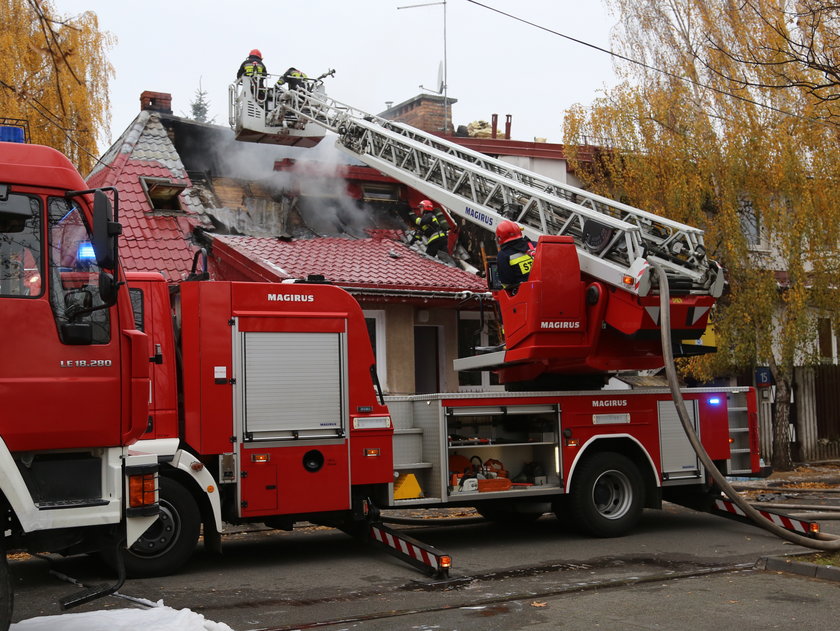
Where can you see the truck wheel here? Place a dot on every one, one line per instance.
(607, 495)
(6, 594)
(171, 540)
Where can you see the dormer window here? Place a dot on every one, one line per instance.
(162, 193)
(375, 192)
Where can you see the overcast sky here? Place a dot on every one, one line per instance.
(380, 53)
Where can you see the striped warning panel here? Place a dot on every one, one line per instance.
(411, 550)
(788, 523)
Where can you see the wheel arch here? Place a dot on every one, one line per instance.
(194, 477)
(630, 447)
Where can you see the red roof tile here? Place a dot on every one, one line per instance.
(371, 263)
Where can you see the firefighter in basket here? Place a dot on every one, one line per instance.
(516, 255)
(294, 78)
(254, 71)
(253, 66)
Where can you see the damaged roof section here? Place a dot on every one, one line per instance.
(266, 212)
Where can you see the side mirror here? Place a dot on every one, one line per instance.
(107, 288)
(105, 231)
(13, 215)
(77, 333)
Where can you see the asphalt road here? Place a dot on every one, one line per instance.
(678, 570)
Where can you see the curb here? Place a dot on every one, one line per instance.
(811, 570)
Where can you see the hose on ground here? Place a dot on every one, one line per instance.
(823, 541)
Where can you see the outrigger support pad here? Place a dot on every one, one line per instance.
(422, 556)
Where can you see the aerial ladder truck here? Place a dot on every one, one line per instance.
(271, 414)
(591, 304)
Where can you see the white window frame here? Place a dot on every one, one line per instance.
(381, 354)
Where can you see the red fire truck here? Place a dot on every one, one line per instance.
(74, 376)
(282, 424)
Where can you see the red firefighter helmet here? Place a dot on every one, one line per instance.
(507, 231)
(423, 207)
(256, 53)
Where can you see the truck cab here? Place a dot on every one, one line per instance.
(74, 377)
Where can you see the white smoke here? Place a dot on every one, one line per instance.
(309, 198)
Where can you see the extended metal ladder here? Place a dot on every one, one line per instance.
(616, 243)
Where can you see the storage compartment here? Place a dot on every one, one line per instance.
(502, 449)
(739, 433)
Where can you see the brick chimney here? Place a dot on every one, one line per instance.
(156, 102)
(425, 111)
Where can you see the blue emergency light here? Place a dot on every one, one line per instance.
(714, 401)
(85, 252)
(12, 134)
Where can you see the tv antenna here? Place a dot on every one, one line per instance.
(442, 69)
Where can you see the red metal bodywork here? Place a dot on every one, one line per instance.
(559, 321)
(272, 478)
(59, 396)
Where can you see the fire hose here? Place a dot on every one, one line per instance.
(823, 541)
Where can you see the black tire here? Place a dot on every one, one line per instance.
(7, 595)
(506, 514)
(169, 542)
(607, 495)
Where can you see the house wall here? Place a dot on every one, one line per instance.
(555, 169)
(400, 320)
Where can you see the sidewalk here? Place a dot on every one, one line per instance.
(823, 475)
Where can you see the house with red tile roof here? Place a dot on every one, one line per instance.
(274, 213)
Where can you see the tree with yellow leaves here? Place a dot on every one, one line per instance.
(716, 127)
(54, 74)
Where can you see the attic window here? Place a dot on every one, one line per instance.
(380, 192)
(162, 193)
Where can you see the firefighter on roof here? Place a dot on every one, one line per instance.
(253, 66)
(516, 255)
(429, 228)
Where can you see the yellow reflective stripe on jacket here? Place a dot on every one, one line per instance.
(523, 262)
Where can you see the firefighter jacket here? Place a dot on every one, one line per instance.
(252, 67)
(428, 227)
(294, 77)
(514, 262)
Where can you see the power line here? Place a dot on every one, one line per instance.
(646, 65)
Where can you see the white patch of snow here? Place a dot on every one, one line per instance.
(159, 618)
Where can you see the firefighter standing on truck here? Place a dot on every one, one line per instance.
(516, 255)
(429, 228)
